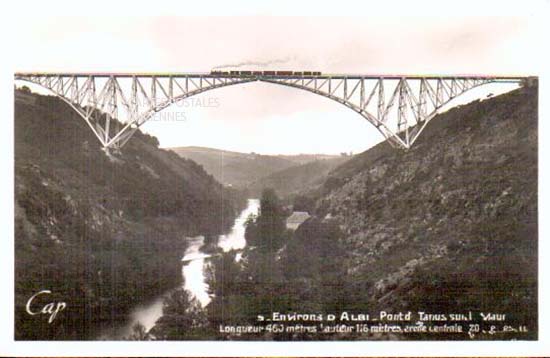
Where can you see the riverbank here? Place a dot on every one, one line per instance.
(194, 263)
(103, 234)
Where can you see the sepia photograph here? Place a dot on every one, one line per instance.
(275, 179)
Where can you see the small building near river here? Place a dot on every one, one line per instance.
(296, 219)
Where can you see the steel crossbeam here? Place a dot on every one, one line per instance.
(115, 105)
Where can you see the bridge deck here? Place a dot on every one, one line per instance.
(398, 105)
(223, 75)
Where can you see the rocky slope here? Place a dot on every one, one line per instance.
(101, 233)
(450, 225)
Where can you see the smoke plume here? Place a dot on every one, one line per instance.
(254, 63)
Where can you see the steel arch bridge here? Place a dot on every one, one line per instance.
(115, 105)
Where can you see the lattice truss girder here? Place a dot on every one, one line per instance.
(399, 108)
(115, 106)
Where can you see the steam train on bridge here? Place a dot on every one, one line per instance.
(265, 73)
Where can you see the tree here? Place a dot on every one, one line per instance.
(303, 203)
(139, 333)
(268, 231)
(182, 318)
(312, 266)
(229, 290)
(248, 288)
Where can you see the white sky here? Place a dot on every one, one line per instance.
(266, 118)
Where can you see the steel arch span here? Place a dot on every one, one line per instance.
(115, 105)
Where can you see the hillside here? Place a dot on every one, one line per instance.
(241, 169)
(103, 234)
(298, 178)
(450, 225)
(301, 159)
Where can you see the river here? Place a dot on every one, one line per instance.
(193, 273)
